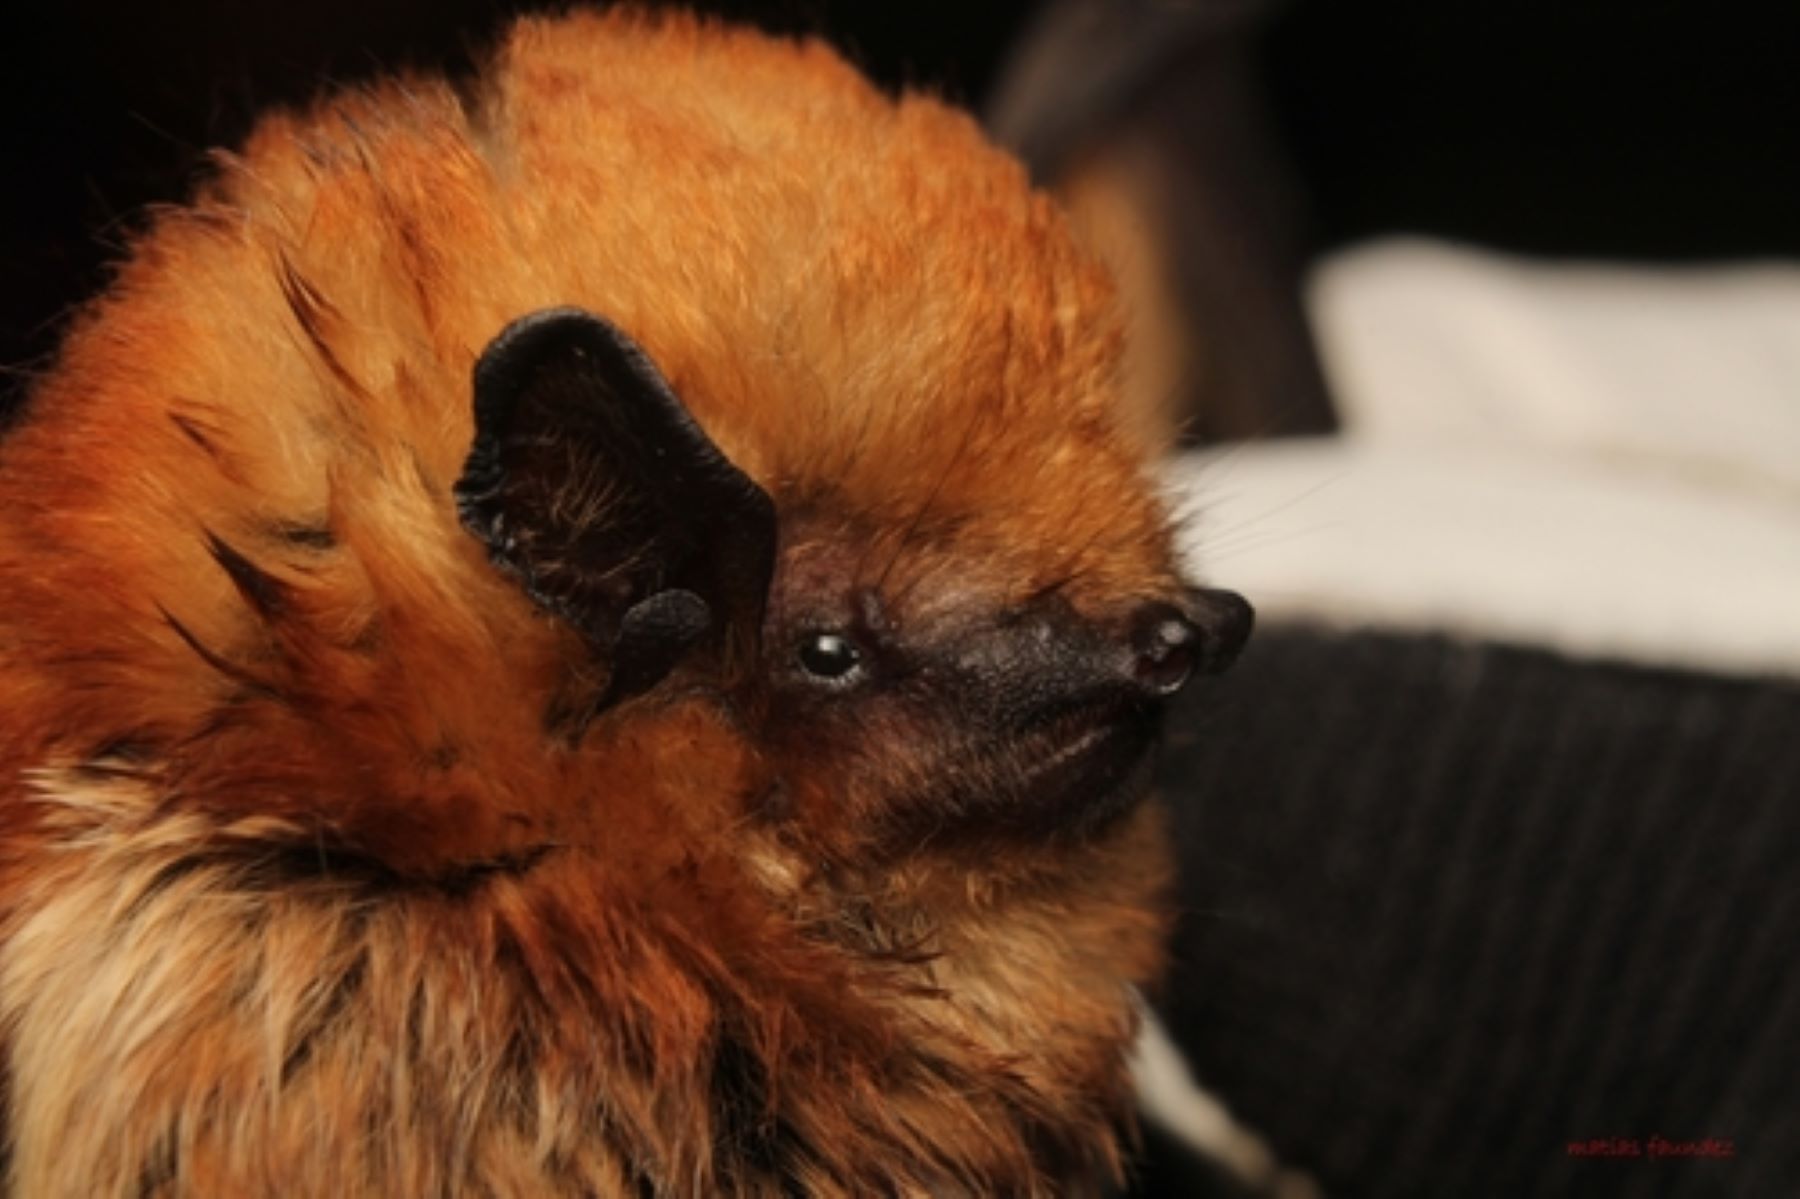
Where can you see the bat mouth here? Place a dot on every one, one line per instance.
(1061, 776)
(1084, 767)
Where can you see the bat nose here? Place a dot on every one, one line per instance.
(1172, 645)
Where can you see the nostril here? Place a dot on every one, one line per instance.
(1168, 648)
(1170, 645)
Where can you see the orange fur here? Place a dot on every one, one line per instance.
(585, 969)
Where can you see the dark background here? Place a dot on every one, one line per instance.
(1666, 129)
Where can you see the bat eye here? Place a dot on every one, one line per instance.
(830, 656)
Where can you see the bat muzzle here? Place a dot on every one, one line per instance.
(1075, 708)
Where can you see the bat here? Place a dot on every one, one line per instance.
(592, 633)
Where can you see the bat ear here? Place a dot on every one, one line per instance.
(591, 484)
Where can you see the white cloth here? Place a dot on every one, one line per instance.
(1604, 461)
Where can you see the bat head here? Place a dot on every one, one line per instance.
(914, 706)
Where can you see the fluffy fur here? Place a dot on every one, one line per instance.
(300, 898)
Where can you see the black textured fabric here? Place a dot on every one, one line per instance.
(1454, 913)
